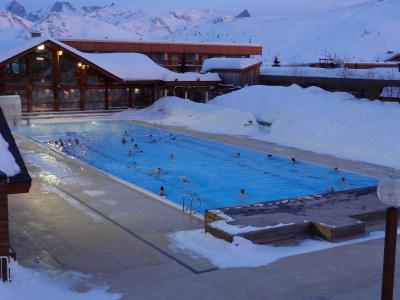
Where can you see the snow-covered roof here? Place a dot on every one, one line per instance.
(8, 164)
(390, 92)
(228, 63)
(125, 66)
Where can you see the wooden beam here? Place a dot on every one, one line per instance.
(56, 79)
(82, 87)
(130, 99)
(2, 83)
(107, 95)
(29, 83)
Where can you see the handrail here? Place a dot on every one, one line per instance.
(192, 198)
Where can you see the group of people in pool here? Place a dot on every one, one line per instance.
(60, 142)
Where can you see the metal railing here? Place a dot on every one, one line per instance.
(189, 197)
(5, 268)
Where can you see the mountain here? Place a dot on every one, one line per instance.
(294, 33)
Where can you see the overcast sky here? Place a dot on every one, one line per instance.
(270, 7)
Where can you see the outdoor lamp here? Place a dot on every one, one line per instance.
(389, 194)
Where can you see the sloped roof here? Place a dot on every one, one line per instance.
(228, 63)
(121, 66)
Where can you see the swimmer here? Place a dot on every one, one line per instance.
(242, 192)
(76, 141)
(158, 170)
(162, 191)
(129, 153)
(336, 169)
(150, 135)
(293, 160)
(136, 146)
(62, 144)
(123, 141)
(132, 139)
(171, 157)
(126, 132)
(343, 179)
(56, 142)
(269, 155)
(237, 154)
(173, 138)
(185, 179)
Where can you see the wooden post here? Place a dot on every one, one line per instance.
(56, 79)
(106, 94)
(130, 97)
(2, 83)
(29, 83)
(389, 258)
(4, 231)
(82, 87)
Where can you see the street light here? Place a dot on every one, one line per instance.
(389, 194)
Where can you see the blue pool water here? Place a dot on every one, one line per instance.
(213, 172)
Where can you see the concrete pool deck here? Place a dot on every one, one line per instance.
(121, 237)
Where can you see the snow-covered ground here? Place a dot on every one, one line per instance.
(7, 161)
(243, 253)
(38, 284)
(312, 119)
(296, 31)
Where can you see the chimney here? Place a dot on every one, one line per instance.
(35, 34)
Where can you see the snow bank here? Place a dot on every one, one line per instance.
(243, 253)
(174, 111)
(7, 161)
(38, 285)
(230, 63)
(320, 121)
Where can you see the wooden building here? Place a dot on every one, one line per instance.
(52, 76)
(237, 72)
(19, 183)
(176, 56)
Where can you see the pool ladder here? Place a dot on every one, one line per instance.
(189, 197)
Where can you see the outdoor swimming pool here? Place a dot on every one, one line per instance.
(213, 172)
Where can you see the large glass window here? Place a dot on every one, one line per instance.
(95, 99)
(43, 99)
(15, 73)
(70, 99)
(42, 67)
(69, 71)
(119, 98)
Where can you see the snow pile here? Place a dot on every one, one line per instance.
(243, 253)
(38, 285)
(7, 161)
(174, 111)
(229, 63)
(320, 121)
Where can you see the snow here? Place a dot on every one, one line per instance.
(312, 119)
(8, 164)
(320, 121)
(229, 63)
(243, 253)
(235, 229)
(39, 284)
(175, 111)
(375, 73)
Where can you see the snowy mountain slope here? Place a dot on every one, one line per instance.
(352, 32)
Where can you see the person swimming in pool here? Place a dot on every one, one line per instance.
(269, 155)
(185, 179)
(162, 191)
(242, 192)
(126, 132)
(237, 154)
(294, 160)
(123, 141)
(130, 153)
(76, 142)
(171, 156)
